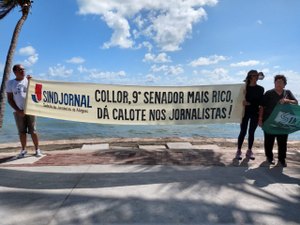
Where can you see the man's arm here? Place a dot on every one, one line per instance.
(11, 102)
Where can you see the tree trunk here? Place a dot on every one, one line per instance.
(7, 68)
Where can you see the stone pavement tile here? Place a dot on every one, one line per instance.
(72, 159)
(95, 147)
(66, 151)
(179, 145)
(121, 148)
(153, 147)
(213, 147)
(206, 155)
(28, 159)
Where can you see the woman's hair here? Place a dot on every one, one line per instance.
(249, 74)
(282, 77)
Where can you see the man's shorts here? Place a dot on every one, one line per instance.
(25, 124)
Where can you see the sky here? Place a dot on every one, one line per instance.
(155, 42)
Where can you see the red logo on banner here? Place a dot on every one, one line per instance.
(37, 96)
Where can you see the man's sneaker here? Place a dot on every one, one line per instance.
(38, 153)
(238, 155)
(250, 155)
(22, 154)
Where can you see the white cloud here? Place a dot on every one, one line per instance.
(259, 22)
(167, 70)
(59, 71)
(205, 61)
(29, 52)
(215, 76)
(147, 45)
(246, 63)
(166, 23)
(106, 74)
(76, 60)
(31, 60)
(152, 79)
(160, 58)
(96, 74)
(121, 35)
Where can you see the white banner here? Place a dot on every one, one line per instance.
(125, 104)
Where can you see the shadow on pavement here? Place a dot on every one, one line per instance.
(80, 209)
(83, 208)
(40, 189)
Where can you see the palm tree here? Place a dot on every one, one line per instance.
(6, 7)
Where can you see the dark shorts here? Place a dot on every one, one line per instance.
(25, 124)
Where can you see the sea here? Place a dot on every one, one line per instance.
(54, 129)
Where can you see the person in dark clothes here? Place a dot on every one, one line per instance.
(254, 94)
(270, 100)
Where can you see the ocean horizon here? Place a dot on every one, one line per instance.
(54, 129)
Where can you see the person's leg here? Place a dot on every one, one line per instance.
(35, 140)
(34, 136)
(252, 128)
(22, 130)
(282, 148)
(269, 140)
(243, 131)
(241, 137)
(23, 140)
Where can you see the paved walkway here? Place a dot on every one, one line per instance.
(169, 183)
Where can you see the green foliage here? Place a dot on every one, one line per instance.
(6, 6)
